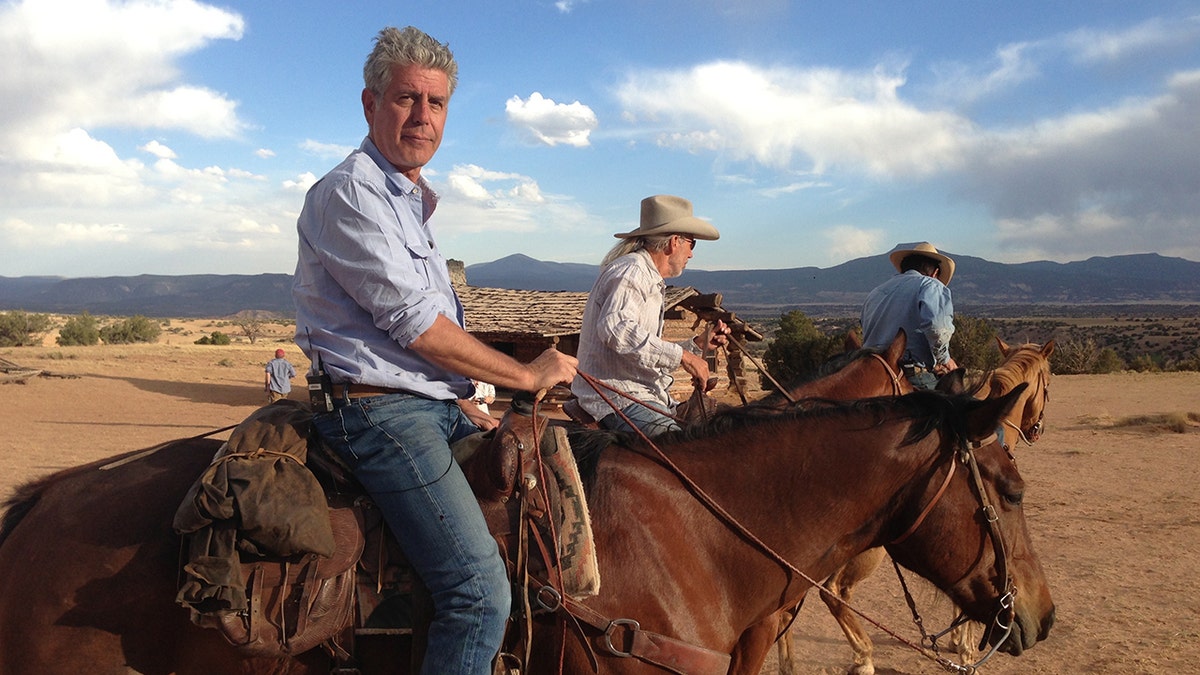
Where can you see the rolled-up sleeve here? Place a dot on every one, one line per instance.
(937, 319)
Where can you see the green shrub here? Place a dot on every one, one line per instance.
(798, 349)
(217, 338)
(1145, 363)
(1073, 356)
(22, 329)
(974, 343)
(131, 330)
(82, 330)
(1107, 361)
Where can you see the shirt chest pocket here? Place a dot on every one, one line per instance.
(421, 255)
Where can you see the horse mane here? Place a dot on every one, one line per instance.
(927, 410)
(21, 502)
(27, 495)
(1012, 372)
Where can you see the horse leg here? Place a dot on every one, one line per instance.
(837, 591)
(783, 646)
(753, 646)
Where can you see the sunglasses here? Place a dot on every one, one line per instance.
(690, 240)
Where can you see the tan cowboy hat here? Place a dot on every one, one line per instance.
(926, 249)
(665, 214)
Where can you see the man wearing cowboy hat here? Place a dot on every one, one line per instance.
(621, 341)
(917, 300)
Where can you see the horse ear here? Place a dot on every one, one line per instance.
(896, 349)
(852, 341)
(1048, 349)
(1004, 348)
(952, 382)
(984, 418)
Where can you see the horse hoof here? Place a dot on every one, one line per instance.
(863, 669)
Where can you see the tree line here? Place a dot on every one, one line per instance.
(799, 348)
(23, 329)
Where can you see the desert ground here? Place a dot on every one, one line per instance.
(1112, 501)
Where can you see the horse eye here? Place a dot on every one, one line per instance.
(1014, 498)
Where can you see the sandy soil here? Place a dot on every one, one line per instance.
(1113, 509)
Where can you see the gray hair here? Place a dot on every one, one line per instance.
(657, 242)
(406, 47)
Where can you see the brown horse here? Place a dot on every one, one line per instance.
(1027, 364)
(678, 569)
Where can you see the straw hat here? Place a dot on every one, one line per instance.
(926, 249)
(665, 214)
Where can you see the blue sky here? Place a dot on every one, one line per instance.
(178, 137)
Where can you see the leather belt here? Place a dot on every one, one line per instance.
(362, 390)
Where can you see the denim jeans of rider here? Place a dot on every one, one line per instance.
(398, 446)
(650, 422)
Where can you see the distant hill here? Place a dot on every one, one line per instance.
(1130, 279)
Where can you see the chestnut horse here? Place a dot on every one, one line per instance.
(1027, 364)
(693, 552)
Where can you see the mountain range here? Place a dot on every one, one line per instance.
(1146, 278)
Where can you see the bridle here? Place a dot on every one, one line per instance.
(1005, 614)
(1036, 429)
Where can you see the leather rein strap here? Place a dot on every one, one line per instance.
(625, 638)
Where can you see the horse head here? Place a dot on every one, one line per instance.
(967, 532)
(1028, 363)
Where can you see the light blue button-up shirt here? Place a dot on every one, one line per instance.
(920, 305)
(370, 278)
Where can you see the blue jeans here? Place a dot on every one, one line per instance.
(923, 379)
(398, 446)
(650, 422)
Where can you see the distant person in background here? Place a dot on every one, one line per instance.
(621, 340)
(279, 377)
(917, 300)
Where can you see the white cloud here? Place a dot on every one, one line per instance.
(301, 183)
(542, 121)
(496, 192)
(833, 119)
(1116, 179)
(844, 242)
(264, 153)
(158, 150)
(327, 150)
(1091, 45)
(74, 71)
(791, 188)
(566, 6)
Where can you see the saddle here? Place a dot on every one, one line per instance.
(342, 573)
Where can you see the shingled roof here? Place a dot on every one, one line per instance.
(505, 314)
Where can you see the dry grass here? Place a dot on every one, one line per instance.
(1176, 422)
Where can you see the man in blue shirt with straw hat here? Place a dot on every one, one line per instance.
(917, 300)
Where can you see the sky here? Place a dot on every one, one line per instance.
(179, 137)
